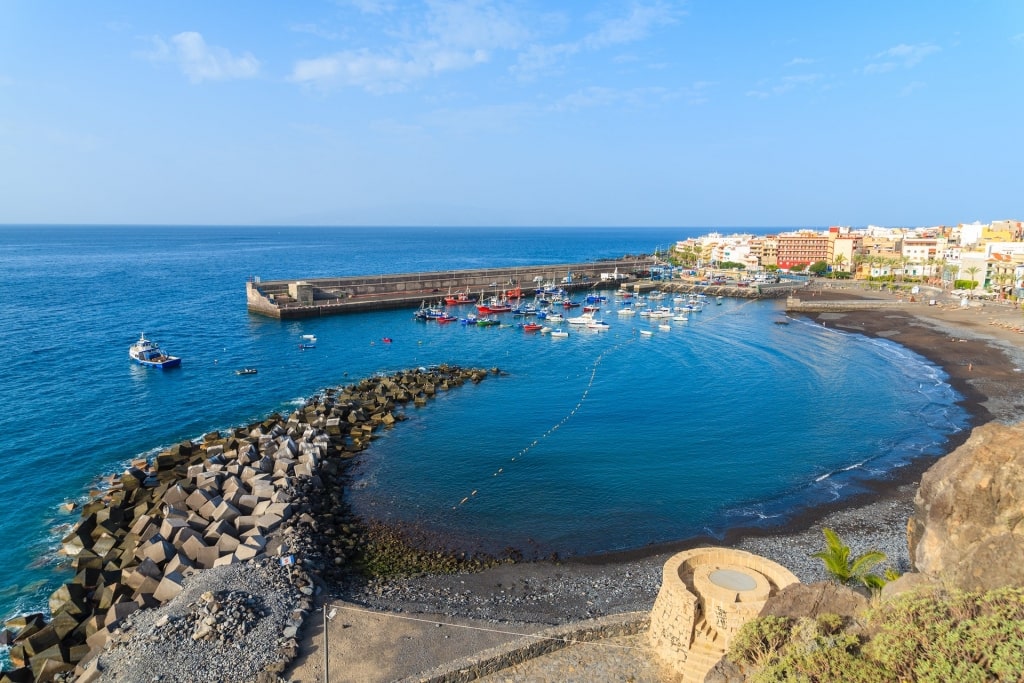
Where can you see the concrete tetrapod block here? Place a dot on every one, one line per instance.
(226, 544)
(246, 552)
(175, 495)
(158, 550)
(225, 560)
(197, 499)
(169, 586)
(225, 512)
(170, 526)
(147, 587)
(140, 523)
(117, 612)
(179, 563)
(208, 556)
(192, 547)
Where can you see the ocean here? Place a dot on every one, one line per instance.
(598, 442)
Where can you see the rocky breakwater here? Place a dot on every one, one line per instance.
(236, 498)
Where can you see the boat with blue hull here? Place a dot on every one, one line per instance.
(148, 353)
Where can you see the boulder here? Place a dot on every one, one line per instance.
(968, 522)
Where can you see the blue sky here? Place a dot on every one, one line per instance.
(702, 113)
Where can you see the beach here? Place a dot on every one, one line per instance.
(977, 346)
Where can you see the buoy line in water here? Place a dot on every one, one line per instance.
(551, 430)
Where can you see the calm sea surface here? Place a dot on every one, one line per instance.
(598, 442)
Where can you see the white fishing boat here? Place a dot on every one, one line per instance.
(559, 332)
(148, 353)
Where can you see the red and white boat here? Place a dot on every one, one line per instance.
(459, 298)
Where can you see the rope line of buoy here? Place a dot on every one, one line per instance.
(583, 397)
(551, 430)
(568, 641)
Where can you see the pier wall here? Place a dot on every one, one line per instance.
(796, 305)
(332, 296)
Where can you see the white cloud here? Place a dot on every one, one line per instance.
(900, 56)
(202, 62)
(800, 61)
(1019, 38)
(785, 85)
(315, 30)
(636, 26)
(453, 36)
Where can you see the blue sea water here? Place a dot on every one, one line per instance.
(602, 441)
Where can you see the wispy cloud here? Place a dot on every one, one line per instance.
(594, 97)
(784, 85)
(1019, 38)
(610, 32)
(315, 30)
(201, 62)
(901, 56)
(800, 61)
(451, 36)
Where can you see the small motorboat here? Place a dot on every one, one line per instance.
(531, 327)
(308, 342)
(559, 332)
(246, 371)
(386, 340)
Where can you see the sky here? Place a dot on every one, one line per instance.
(706, 113)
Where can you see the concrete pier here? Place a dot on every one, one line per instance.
(291, 299)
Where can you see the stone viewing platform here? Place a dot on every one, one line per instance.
(291, 299)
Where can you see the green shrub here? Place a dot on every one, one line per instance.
(927, 636)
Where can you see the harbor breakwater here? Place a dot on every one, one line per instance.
(271, 489)
(295, 299)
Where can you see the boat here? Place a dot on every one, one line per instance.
(147, 352)
(446, 318)
(494, 305)
(460, 298)
(308, 342)
(582, 319)
(555, 317)
(680, 318)
(598, 325)
(531, 327)
(246, 371)
(664, 327)
(559, 332)
(569, 303)
(591, 308)
(645, 333)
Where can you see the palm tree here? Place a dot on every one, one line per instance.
(844, 569)
(972, 271)
(838, 262)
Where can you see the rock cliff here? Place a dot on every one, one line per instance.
(968, 524)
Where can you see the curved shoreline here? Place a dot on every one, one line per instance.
(978, 358)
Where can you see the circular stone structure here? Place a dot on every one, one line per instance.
(706, 595)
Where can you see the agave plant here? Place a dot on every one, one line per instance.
(839, 565)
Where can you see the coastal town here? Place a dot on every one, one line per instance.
(984, 260)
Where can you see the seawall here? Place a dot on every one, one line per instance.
(291, 299)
